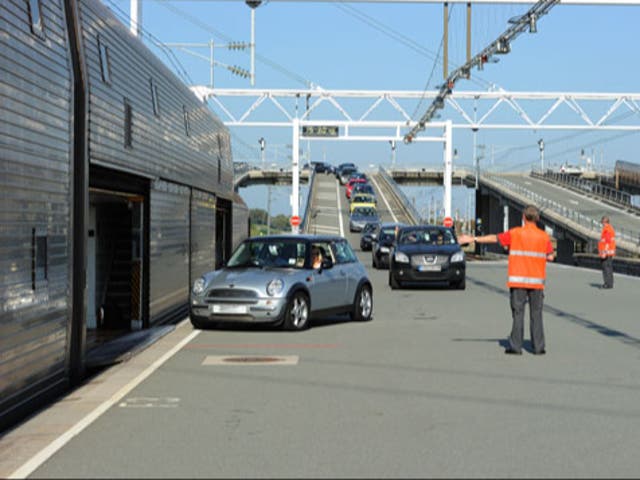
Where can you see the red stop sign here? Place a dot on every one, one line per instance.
(294, 221)
(447, 222)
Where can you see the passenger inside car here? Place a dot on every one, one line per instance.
(316, 258)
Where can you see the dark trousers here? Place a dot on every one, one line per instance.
(519, 298)
(607, 271)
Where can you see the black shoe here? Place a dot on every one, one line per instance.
(541, 352)
(511, 351)
(606, 286)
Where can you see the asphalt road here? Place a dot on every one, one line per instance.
(423, 390)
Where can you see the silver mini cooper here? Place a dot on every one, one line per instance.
(284, 280)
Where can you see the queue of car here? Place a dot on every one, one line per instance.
(287, 280)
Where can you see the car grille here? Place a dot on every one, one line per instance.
(233, 295)
(428, 259)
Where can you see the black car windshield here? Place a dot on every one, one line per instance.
(273, 253)
(426, 236)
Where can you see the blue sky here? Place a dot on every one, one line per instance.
(387, 46)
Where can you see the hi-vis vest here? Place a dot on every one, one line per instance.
(607, 243)
(527, 257)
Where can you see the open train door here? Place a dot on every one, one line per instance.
(223, 231)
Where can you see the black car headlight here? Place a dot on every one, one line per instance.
(401, 257)
(457, 257)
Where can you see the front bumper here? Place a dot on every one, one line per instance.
(257, 311)
(405, 273)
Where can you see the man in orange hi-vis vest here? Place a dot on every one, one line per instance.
(529, 250)
(607, 250)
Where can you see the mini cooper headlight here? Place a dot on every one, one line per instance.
(401, 257)
(457, 257)
(198, 286)
(275, 287)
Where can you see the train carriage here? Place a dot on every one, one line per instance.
(117, 190)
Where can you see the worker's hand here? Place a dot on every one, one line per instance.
(465, 239)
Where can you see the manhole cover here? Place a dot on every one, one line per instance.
(250, 360)
(253, 359)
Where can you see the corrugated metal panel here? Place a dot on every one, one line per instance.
(168, 250)
(203, 222)
(240, 219)
(160, 145)
(35, 159)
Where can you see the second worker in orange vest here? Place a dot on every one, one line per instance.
(529, 250)
(606, 251)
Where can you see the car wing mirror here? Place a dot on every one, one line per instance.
(326, 263)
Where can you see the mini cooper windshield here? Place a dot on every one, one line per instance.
(269, 253)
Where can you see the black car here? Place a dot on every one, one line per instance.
(426, 254)
(382, 243)
(339, 168)
(345, 174)
(369, 231)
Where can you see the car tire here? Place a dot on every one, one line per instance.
(297, 313)
(363, 304)
(199, 322)
(461, 285)
(393, 282)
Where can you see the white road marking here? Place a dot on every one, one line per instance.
(150, 402)
(339, 209)
(250, 360)
(44, 454)
(384, 199)
(326, 229)
(575, 202)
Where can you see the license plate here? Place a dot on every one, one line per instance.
(429, 268)
(233, 309)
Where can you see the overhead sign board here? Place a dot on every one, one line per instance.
(320, 131)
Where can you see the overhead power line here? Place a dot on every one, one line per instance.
(501, 45)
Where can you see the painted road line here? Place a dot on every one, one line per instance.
(63, 439)
(395, 219)
(339, 209)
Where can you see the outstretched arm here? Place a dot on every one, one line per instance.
(466, 239)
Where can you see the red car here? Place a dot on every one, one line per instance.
(351, 183)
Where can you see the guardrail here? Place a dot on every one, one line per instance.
(589, 187)
(305, 216)
(588, 224)
(408, 206)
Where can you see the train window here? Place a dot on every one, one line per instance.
(39, 273)
(105, 67)
(128, 124)
(154, 98)
(35, 15)
(187, 126)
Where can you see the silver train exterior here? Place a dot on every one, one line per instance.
(117, 191)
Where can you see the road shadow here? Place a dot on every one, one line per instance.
(597, 327)
(271, 327)
(502, 343)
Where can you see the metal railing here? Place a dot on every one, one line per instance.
(409, 207)
(587, 223)
(304, 224)
(589, 187)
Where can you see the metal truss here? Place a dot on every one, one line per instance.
(466, 109)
